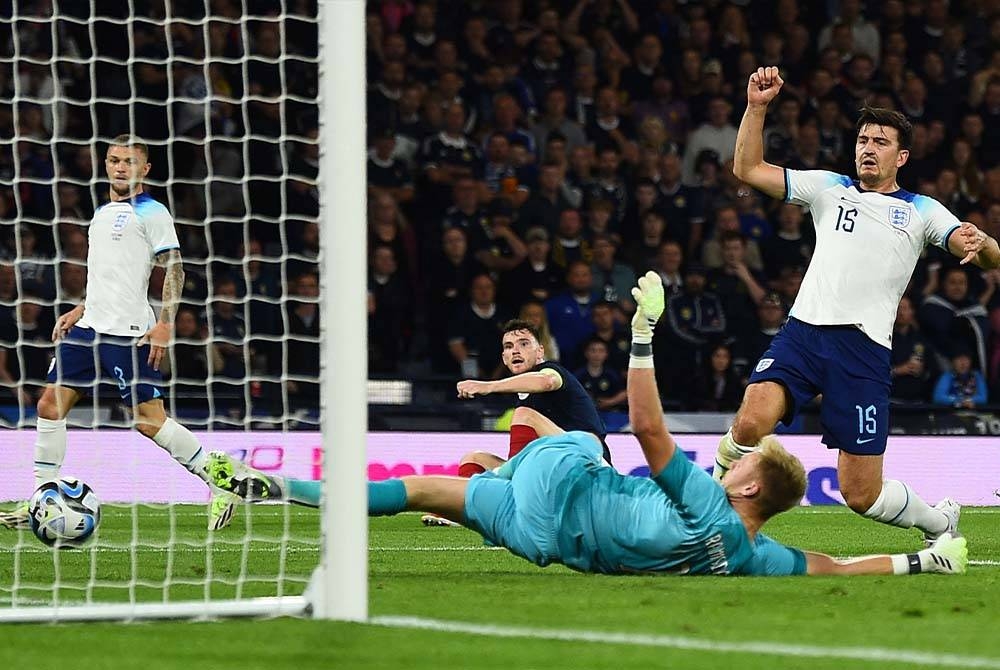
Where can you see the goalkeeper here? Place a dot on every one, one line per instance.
(557, 502)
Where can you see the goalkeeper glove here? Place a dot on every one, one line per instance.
(648, 296)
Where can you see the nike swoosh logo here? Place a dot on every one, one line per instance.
(853, 202)
(860, 441)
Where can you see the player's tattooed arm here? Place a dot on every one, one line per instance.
(173, 283)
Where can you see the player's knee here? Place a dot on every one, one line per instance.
(524, 416)
(147, 429)
(858, 497)
(48, 407)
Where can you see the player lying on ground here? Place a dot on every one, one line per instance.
(544, 386)
(869, 235)
(127, 236)
(558, 502)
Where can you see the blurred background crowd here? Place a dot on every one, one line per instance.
(527, 158)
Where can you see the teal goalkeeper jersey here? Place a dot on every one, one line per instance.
(678, 522)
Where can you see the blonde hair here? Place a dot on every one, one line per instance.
(544, 334)
(782, 478)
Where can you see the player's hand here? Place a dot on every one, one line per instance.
(764, 86)
(66, 322)
(648, 296)
(158, 338)
(973, 241)
(470, 388)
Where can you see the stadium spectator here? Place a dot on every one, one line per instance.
(503, 179)
(961, 386)
(386, 170)
(602, 382)
(789, 246)
(472, 335)
(537, 277)
(390, 305)
(668, 265)
(717, 387)
(727, 220)
(953, 320)
(913, 360)
(571, 243)
(228, 328)
(451, 272)
(693, 318)
(739, 289)
(545, 203)
(642, 253)
(496, 246)
(609, 330)
(716, 134)
(612, 280)
(662, 104)
(751, 347)
(303, 349)
(569, 311)
(32, 326)
(445, 157)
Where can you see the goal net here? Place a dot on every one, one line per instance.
(228, 103)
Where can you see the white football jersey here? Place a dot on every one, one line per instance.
(124, 238)
(867, 245)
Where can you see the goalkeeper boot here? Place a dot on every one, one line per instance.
(17, 518)
(432, 520)
(948, 555)
(728, 453)
(221, 509)
(952, 510)
(251, 485)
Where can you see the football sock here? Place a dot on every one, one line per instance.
(50, 449)
(183, 446)
(898, 505)
(384, 498)
(469, 469)
(306, 492)
(520, 436)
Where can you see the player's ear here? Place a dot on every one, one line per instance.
(750, 490)
(904, 155)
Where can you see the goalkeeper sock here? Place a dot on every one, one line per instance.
(898, 505)
(306, 492)
(50, 449)
(183, 446)
(384, 498)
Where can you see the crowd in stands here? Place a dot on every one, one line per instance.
(541, 155)
(526, 157)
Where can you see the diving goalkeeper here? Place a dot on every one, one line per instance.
(557, 502)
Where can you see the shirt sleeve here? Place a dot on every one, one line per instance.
(696, 495)
(159, 227)
(939, 223)
(803, 186)
(774, 559)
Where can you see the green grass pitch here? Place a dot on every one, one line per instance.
(447, 574)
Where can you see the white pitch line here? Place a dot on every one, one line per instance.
(874, 654)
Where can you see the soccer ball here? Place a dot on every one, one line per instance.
(64, 513)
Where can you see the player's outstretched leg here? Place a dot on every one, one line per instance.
(444, 496)
(153, 422)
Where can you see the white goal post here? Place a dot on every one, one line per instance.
(320, 572)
